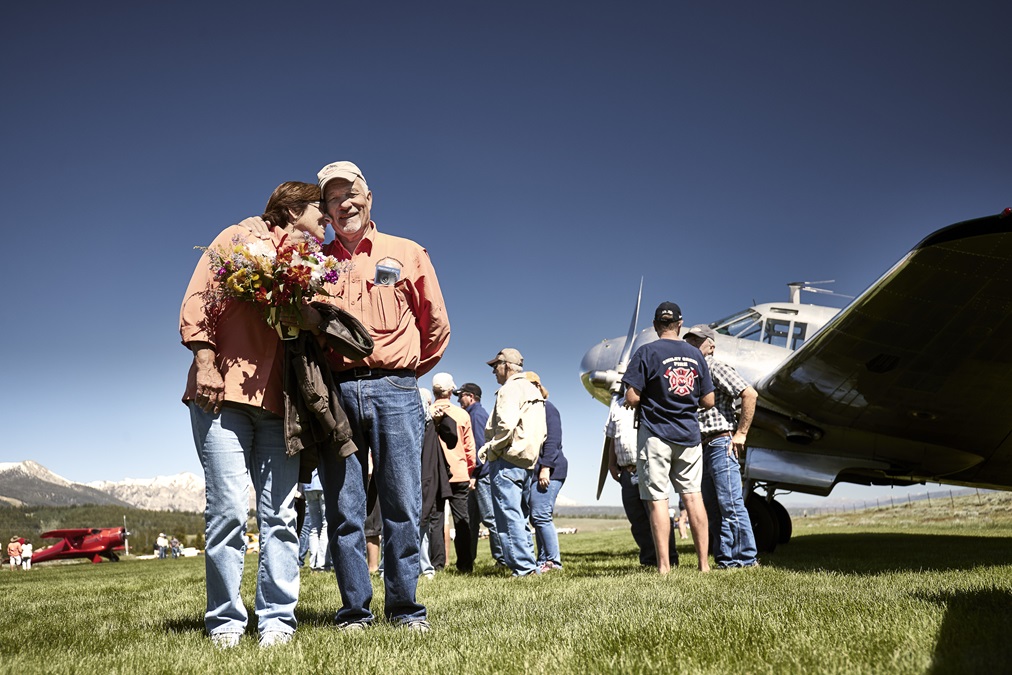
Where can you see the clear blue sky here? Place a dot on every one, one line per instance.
(546, 154)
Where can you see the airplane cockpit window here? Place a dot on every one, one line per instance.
(745, 325)
(798, 335)
(777, 331)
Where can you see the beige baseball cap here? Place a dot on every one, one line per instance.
(343, 170)
(509, 355)
(443, 382)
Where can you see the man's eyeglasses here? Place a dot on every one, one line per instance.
(497, 364)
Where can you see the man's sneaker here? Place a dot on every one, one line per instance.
(548, 566)
(274, 637)
(417, 626)
(225, 640)
(352, 626)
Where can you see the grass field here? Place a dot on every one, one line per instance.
(911, 589)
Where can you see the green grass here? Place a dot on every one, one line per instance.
(912, 589)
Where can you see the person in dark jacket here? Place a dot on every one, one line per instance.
(479, 501)
(549, 474)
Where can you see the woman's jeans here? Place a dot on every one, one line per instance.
(542, 507)
(240, 443)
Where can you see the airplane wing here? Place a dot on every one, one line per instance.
(71, 532)
(915, 374)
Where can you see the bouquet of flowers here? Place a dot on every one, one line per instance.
(275, 277)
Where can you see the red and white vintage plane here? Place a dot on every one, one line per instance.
(93, 543)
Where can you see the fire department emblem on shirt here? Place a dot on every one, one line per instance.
(681, 381)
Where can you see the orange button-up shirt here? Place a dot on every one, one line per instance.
(406, 316)
(461, 458)
(250, 356)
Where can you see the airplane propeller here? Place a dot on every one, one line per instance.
(623, 361)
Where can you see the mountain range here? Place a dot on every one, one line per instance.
(29, 483)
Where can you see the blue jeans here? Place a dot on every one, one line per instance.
(480, 511)
(387, 419)
(542, 508)
(238, 444)
(731, 538)
(510, 489)
(304, 541)
(639, 521)
(317, 535)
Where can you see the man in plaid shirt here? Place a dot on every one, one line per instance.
(732, 541)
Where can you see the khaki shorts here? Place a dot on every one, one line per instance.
(661, 464)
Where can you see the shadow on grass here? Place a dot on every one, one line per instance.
(873, 552)
(974, 634)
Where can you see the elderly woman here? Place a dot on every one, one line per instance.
(234, 393)
(549, 475)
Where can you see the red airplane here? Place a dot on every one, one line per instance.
(93, 543)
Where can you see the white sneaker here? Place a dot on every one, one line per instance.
(417, 626)
(225, 640)
(274, 637)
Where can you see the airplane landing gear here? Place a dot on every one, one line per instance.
(765, 527)
(771, 523)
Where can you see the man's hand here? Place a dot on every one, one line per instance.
(258, 226)
(544, 477)
(472, 484)
(737, 444)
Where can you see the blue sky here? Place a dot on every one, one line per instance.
(546, 154)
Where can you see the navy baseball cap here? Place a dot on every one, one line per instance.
(667, 311)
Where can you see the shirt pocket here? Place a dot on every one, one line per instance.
(387, 305)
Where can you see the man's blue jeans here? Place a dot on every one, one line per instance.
(510, 487)
(237, 444)
(387, 419)
(480, 511)
(542, 507)
(731, 538)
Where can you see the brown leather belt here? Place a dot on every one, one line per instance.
(706, 438)
(370, 374)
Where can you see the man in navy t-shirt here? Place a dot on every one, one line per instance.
(668, 381)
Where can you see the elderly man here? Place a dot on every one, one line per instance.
(391, 287)
(514, 434)
(723, 440)
(460, 460)
(668, 380)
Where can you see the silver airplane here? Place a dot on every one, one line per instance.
(909, 383)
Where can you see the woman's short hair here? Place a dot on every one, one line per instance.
(293, 197)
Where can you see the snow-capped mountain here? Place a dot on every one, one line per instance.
(181, 492)
(29, 483)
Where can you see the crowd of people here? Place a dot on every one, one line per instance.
(336, 414)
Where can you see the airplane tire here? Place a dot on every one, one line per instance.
(783, 520)
(765, 527)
